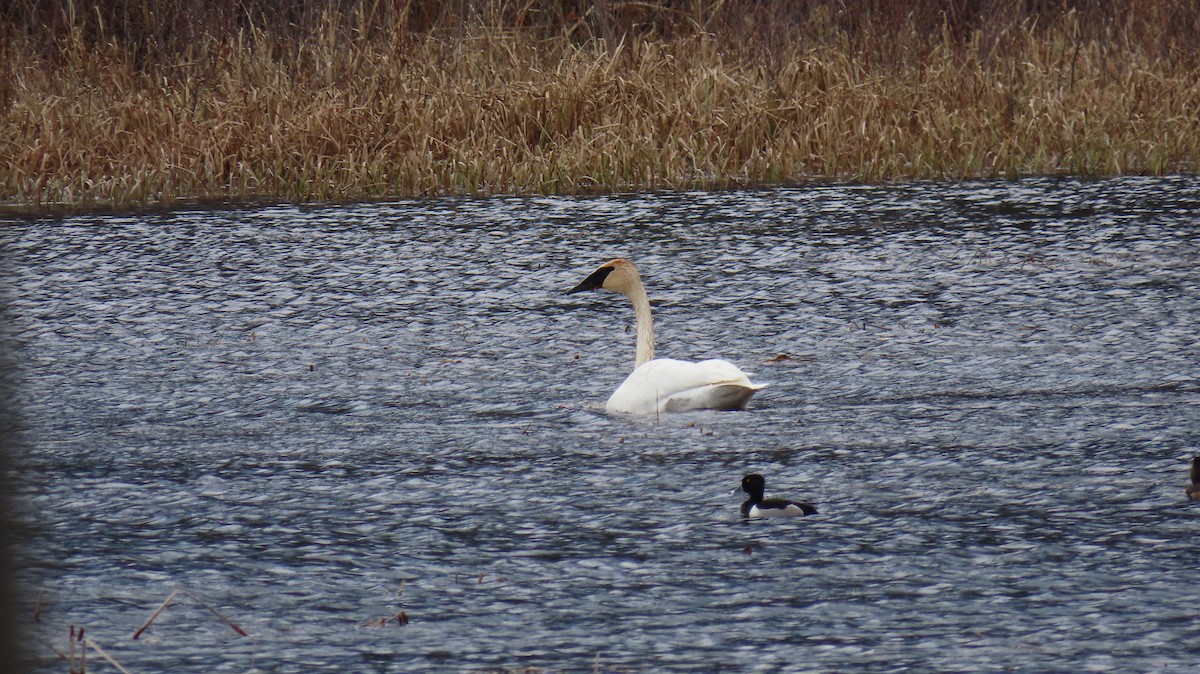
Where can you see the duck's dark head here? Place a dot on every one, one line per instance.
(754, 485)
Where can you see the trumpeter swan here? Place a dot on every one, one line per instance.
(757, 506)
(664, 384)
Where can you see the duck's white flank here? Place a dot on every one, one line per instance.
(790, 510)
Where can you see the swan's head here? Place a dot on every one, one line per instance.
(619, 275)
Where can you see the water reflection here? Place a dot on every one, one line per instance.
(316, 417)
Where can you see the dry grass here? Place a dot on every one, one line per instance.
(364, 103)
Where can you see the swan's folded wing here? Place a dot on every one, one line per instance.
(711, 397)
(669, 385)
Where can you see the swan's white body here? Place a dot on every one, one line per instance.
(665, 384)
(668, 385)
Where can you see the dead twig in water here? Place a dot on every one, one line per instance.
(61, 656)
(102, 653)
(78, 637)
(166, 602)
(37, 608)
(232, 625)
(401, 619)
(154, 615)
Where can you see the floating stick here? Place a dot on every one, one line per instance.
(232, 625)
(155, 614)
(104, 654)
(61, 656)
(400, 619)
(198, 600)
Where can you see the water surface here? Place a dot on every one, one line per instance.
(316, 418)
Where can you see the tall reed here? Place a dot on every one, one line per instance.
(146, 103)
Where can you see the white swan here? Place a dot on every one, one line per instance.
(665, 385)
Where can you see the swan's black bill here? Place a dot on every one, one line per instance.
(592, 282)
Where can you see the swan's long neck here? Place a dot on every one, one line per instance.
(645, 323)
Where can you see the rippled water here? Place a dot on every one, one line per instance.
(315, 418)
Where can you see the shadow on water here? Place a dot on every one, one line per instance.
(319, 419)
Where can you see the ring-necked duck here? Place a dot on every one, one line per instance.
(757, 506)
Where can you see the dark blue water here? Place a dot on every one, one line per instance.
(315, 418)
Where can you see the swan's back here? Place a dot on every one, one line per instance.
(668, 385)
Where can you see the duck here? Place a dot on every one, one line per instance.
(1193, 490)
(665, 384)
(756, 506)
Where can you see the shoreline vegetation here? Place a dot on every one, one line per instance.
(148, 102)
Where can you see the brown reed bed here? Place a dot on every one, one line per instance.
(148, 102)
